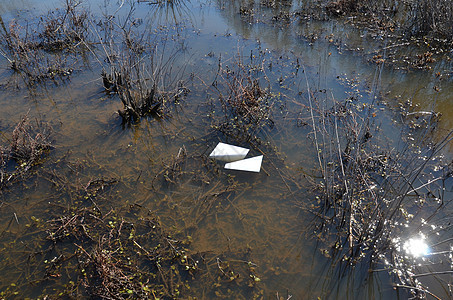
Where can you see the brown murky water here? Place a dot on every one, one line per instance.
(162, 164)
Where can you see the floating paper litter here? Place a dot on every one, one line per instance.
(228, 153)
(234, 156)
(252, 164)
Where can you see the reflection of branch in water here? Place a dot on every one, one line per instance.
(419, 289)
(169, 10)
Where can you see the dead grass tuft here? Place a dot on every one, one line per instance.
(25, 149)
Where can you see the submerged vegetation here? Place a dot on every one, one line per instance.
(178, 225)
(127, 257)
(89, 249)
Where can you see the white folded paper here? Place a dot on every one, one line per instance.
(252, 164)
(228, 153)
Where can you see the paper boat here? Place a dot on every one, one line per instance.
(228, 153)
(252, 164)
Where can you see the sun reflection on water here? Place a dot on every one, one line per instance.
(416, 246)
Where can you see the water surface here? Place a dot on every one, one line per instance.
(261, 216)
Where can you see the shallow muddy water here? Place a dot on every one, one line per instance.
(161, 164)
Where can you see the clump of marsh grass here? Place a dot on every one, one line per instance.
(433, 17)
(138, 99)
(64, 29)
(139, 68)
(421, 18)
(23, 150)
(246, 104)
(51, 49)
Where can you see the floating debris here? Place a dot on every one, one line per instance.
(228, 153)
(252, 164)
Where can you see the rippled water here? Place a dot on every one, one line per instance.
(262, 215)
